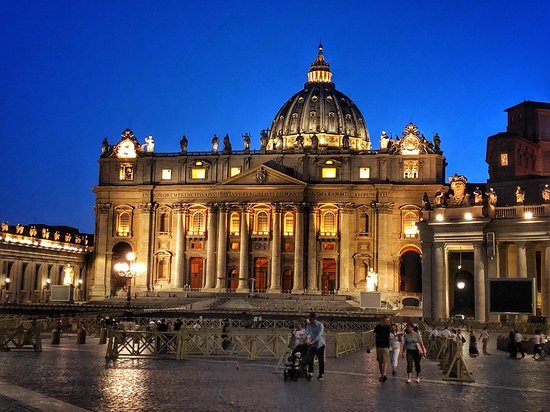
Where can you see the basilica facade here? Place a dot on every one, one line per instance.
(315, 210)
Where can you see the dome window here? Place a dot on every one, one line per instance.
(314, 99)
(294, 115)
(312, 113)
(301, 100)
(329, 98)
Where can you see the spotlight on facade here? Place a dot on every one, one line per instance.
(461, 284)
(468, 216)
(528, 215)
(439, 217)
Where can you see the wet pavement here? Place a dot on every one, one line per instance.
(78, 375)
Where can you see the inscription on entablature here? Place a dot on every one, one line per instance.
(224, 194)
(348, 194)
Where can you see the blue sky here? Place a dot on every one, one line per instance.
(75, 72)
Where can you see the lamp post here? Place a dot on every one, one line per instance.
(129, 268)
(80, 289)
(253, 280)
(5, 287)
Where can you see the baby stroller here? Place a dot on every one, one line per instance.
(296, 365)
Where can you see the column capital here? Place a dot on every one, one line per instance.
(382, 207)
(212, 207)
(347, 207)
(181, 207)
(102, 208)
(277, 207)
(147, 207)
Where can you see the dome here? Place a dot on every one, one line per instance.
(322, 111)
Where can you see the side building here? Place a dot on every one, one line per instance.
(472, 236)
(314, 210)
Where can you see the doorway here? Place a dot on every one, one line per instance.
(328, 276)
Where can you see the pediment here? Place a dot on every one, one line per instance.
(263, 176)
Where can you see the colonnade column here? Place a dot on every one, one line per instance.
(521, 271)
(440, 286)
(211, 247)
(222, 248)
(243, 250)
(298, 283)
(145, 245)
(492, 273)
(502, 250)
(346, 230)
(179, 267)
(312, 279)
(479, 281)
(276, 251)
(427, 275)
(101, 286)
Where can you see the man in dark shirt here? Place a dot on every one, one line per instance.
(382, 335)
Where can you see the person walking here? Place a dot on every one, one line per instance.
(537, 347)
(472, 348)
(382, 341)
(414, 349)
(519, 344)
(484, 337)
(315, 336)
(512, 348)
(395, 348)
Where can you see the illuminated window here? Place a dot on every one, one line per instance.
(197, 223)
(328, 223)
(328, 246)
(198, 173)
(410, 169)
(164, 222)
(234, 245)
(166, 174)
(123, 224)
(410, 219)
(504, 159)
(288, 246)
(196, 245)
(329, 173)
(234, 223)
(364, 173)
(234, 171)
(262, 222)
(126, 172)
(289, 224)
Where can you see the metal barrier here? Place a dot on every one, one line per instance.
(21, 339)
(449, 353)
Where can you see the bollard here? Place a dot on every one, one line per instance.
(102, 336)
(81, 336)
(56, 336)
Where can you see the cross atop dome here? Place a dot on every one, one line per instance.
(320, 69)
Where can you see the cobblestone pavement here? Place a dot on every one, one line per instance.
(80, 375)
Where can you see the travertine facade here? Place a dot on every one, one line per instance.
(313, 210)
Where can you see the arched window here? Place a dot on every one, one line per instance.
(409, 220)
(197, 223)
(161, 270)
(164, 222)
(124, 223)
(328, 223)
(289, 224)
(262, 222)
(234, 223)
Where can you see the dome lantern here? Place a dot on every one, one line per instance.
(320, 69)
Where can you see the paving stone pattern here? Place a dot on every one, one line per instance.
(80, 375)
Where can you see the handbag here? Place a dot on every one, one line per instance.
(420, 348)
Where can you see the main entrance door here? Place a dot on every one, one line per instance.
(196, 264)
(233, 280)
(328, 276)
(260, 274)
(288, 276)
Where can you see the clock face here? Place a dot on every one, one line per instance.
(126, 149)
(410, 144)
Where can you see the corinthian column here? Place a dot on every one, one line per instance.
(179, 267)
(298, 283)
(521, 271)
(440, 285)
(243, 251)
(101, 286)
(276, 251)
(312, 279)
(479, 280)
(222, 248)
(346, 233)
(211, 248)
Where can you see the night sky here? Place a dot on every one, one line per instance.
(74, 72)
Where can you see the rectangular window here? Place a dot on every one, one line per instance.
(198, 173)
(234, 245)
(329, 173)
(364, 173)
(504, 159)
(166, 174)
(126, 172)
(289, 246)
(410, 169)
(328, 246)
(196, 245)
(234, 171)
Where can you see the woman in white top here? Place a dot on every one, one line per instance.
(395, 347)
(537, 340)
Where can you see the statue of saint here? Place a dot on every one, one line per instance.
(263, 139)
(215, 144)
(279, 142)
(345, 142)
(478, 196)
(149, 144)
(440, 199)
(426, 201)
(520, 195)
(246, 142)
(384, 140)
(492, 198)
(546, 194)
(68, 276)
(299, 142)
(314, 142)
(372, 281)
(183, 144)
(437, 143)
(104, 146)
(227, 144)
